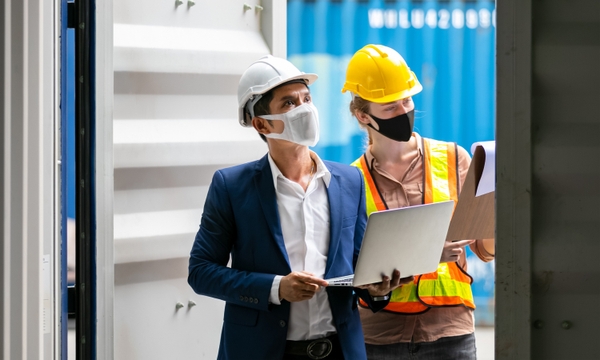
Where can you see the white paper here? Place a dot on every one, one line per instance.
(487, 183)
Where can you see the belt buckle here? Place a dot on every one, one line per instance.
(315, 353)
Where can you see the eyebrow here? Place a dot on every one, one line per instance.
(390, 103)
(292, 97)
(394, 102)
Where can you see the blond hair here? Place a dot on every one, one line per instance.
(364, 106)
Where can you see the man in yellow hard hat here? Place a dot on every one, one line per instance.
(432, 317)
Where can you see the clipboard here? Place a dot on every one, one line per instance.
(475, 216)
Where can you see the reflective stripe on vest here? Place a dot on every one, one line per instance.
(450, 285)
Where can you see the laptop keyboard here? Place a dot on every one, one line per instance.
(341, 280)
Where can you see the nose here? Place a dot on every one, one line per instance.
(405, 107)
(302, 99)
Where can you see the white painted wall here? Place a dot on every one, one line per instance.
(176, 69)
(29, 235)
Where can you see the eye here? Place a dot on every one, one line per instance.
(289, 103)
(308, 98)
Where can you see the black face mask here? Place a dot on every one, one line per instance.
(398, 128)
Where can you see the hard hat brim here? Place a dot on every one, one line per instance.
(399, 95)
(417, 88)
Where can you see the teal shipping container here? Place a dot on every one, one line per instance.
(450, 45)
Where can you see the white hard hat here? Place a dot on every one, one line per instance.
(263, 75)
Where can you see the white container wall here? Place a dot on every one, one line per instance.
(176, 69)
(29, 187)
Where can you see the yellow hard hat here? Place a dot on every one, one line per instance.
(379, 74)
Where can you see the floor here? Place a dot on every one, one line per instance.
(485, 343)
(483, 335)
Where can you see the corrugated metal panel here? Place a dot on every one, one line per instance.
(565, 179)
(175, 116)
(547, 186)
(175, 122)
(29, 181)
(451, 47)
(513, 182)
(104, 181)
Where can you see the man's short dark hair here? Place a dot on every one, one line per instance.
(262, 108)
(262, 105)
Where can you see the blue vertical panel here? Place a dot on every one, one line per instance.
(441, 114)
(455, 57)
(67, 141)
(349, 11)
(428, 71)
(448, 44)
(295, 28)
(485, 79)
(69, 161)
(335, 24)
(64, 306)
(467, 103)
(308, 26)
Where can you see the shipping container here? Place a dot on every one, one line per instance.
(450, 45)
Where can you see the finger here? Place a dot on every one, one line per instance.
(305, 294)
(306, 273)
(319, 282)
(395, 279)
(316, 282)
(462, 243)
(311, 288)
(385, 281)
(385, 285)
(311, 279)
(457, 252)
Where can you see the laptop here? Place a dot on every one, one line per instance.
(409, 239)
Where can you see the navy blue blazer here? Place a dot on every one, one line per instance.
(241, 218)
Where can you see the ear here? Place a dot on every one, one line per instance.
(362, 117)
(261, 125)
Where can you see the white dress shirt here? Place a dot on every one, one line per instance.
(304, 218)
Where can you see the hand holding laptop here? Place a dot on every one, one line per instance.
(299, 286)
(386, 285)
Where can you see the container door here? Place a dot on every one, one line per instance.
(176, 69)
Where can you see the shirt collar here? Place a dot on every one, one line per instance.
(321, 171)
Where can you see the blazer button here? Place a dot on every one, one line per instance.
(282, 323)
(245, 298)
(241, 298)
(256, 301)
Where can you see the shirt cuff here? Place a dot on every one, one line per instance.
(274, 296)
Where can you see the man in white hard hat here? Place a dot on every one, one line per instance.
(288, 221)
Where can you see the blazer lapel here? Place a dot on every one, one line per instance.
(335, 217)
(263, 181)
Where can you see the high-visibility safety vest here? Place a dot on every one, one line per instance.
(450, 285)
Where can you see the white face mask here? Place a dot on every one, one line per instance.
(300, 125)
